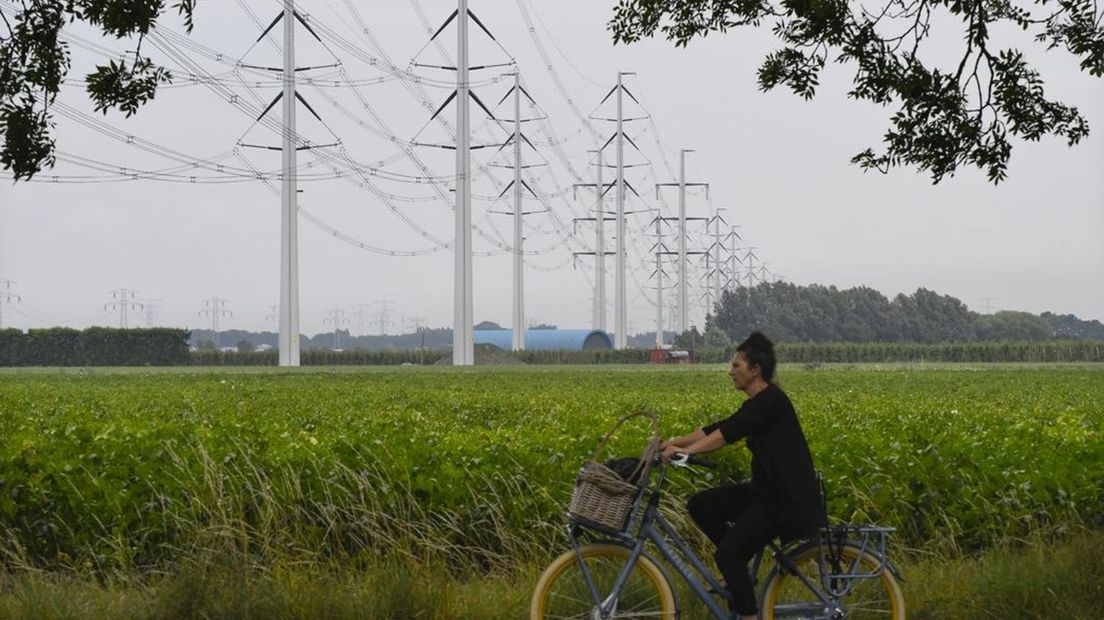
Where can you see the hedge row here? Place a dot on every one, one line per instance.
(102, 346)
(95, 346)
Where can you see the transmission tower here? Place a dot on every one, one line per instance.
(273, 315)
(715, 271)
(215, 308)
(362, 312)
(734, 259)
(683, 288)
(289, 193)
(620, 295)
(7, 297)
(122, 300)
(381, 317)
(413, 324)
(749, 261)
(337, 319)
(151, 311)
(463, 344)
(660, 251)
(599, 253)
(618, 139)
(517, 184)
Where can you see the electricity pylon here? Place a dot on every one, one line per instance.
(7, 297)
(660, 250)
(733, 259)
(151, 310)
(382, 316)
(715, 271)
(749, 261)
(517, 184)
(123, 299)
(683, 288)
(361, 311)
(215, 308)
(463, 343)
(337, 319)
(600, 218)
(620, 293)
(289, 193)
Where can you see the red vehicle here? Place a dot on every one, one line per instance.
(670, 356)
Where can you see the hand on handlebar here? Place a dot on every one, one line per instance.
(669, 452)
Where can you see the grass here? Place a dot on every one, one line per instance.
(411, 493)
(1064, 580)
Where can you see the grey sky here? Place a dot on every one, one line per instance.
(778, 164)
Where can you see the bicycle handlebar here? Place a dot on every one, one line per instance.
(685, 460)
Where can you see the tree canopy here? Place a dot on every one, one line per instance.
(791, 313)
(36, 61)
(946, 117)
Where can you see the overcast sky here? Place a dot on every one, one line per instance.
(778, 165)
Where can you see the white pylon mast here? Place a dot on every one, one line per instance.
(289, 232)
(683, 289)
(683, 312)
(519, 276)
(659, 283)
(620, 321)
(600, 251)
(599, 296)
(463, 348)
(716, 257)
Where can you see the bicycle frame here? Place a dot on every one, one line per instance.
(672, 548)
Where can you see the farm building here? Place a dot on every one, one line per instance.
(547, 339)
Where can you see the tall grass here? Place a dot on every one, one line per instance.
(1034, 580)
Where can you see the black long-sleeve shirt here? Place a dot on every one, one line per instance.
(781, 465)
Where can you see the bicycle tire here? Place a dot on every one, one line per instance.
(881, 596)
(561, 591)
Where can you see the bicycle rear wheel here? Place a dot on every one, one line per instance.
(786, 596)
(562, 593)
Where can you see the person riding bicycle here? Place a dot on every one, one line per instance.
(783, 497)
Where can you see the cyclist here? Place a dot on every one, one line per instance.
(783, 497)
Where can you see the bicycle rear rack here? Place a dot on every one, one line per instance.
(839, 576)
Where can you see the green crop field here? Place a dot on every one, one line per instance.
(118, 475)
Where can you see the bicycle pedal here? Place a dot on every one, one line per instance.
(722, 593)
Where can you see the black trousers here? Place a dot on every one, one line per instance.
(753, 526)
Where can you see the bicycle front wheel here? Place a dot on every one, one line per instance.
(562, 592)
(786, 596)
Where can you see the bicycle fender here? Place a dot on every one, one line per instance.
(893, 570)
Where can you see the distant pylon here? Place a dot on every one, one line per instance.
(151, 311)
(337, 319)
(600, 218)
(122, 300)
(7, 297)
(215, 308)
(683, 287)
(517, 185)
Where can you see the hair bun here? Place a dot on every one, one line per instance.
(759, 339)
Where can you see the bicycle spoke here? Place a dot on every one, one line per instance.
(567, 595)
(867, 597)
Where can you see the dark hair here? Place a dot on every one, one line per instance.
(758, 350)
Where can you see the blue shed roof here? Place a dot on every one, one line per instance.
(545, 339)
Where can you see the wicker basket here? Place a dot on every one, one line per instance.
(601, 497)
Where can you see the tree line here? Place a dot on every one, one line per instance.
(792, 313)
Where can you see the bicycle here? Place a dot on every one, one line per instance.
(842, 573)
